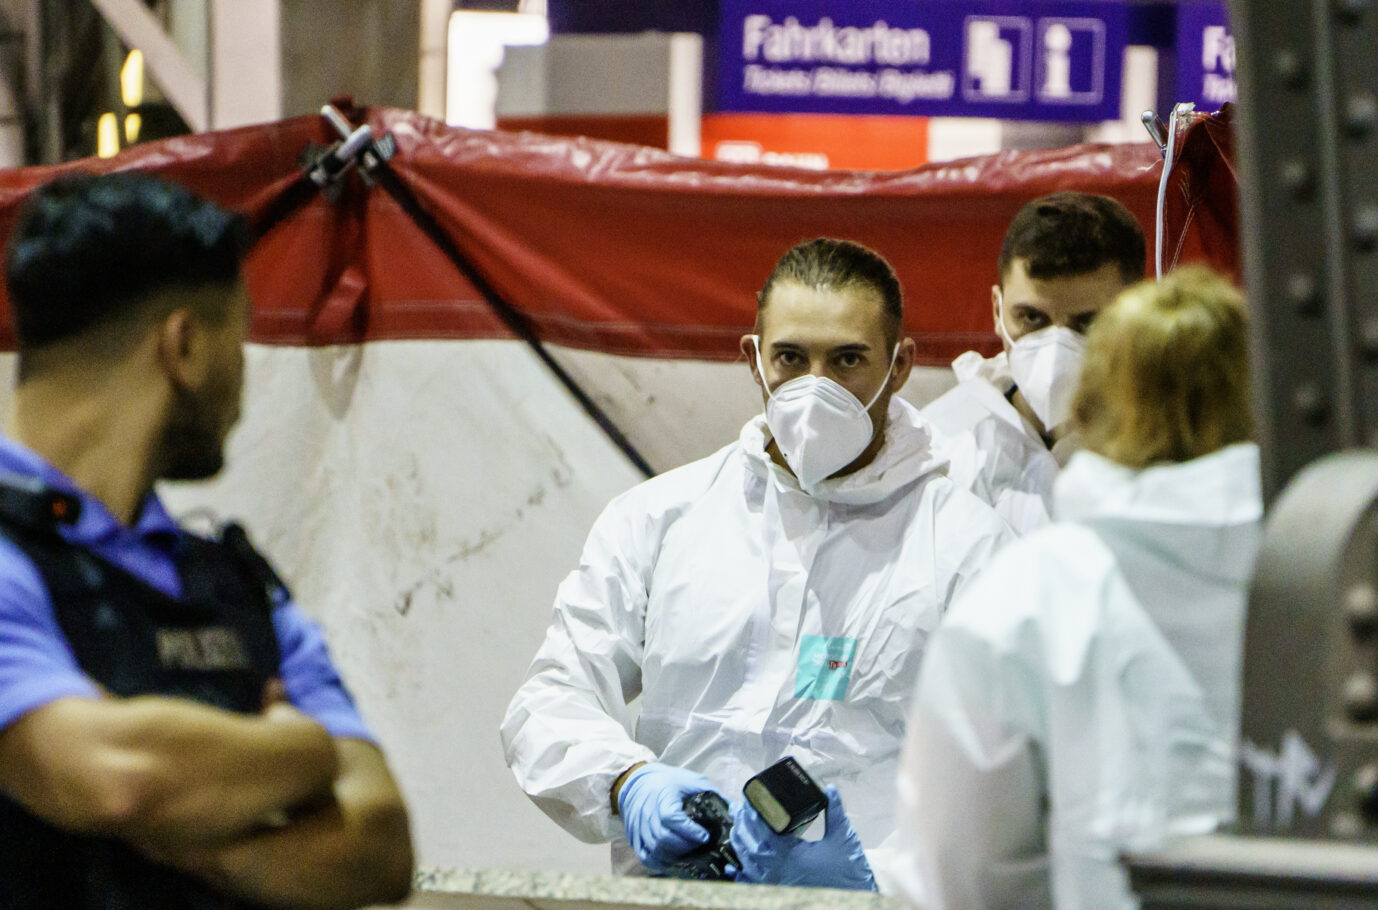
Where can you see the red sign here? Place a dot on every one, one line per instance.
(817, 141)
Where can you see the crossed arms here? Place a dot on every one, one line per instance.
(268, 808)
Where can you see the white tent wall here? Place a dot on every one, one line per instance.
(424, 499)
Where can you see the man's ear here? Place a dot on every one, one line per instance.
(904, 364)
(996, 299)
(178, 348)
(748, 348)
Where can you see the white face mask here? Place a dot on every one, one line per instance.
(1046, 366)
(819, 426)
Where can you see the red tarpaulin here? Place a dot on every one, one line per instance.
(631, 250)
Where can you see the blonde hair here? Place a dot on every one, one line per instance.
(1166, 377)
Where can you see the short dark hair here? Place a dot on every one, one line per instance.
(1069, 234)
(91, 251)
(839, 265)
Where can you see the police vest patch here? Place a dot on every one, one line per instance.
(211, 648)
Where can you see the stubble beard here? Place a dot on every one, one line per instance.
(193, 445)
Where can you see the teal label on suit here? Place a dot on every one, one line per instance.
(825, 667)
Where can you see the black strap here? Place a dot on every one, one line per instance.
(509, 314)
(377, 169)
(254, 564)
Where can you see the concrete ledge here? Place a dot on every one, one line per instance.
(497, 889)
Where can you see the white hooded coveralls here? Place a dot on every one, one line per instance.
(755, 622)
(991, 449)
(1082, 697)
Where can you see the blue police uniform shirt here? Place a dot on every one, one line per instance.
(37, 665)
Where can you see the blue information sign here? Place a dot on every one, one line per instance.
(1031, 60)
(1205, 55)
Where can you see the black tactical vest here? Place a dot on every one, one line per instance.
(214, 645)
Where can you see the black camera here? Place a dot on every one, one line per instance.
(784, 795)
(710, 861)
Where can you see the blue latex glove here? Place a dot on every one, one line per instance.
(651, 804)
(836, 861)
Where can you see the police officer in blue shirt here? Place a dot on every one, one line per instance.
(172, 731)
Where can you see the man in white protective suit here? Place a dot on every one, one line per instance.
(1005, 427)
(1081, 699)
(772, 599)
